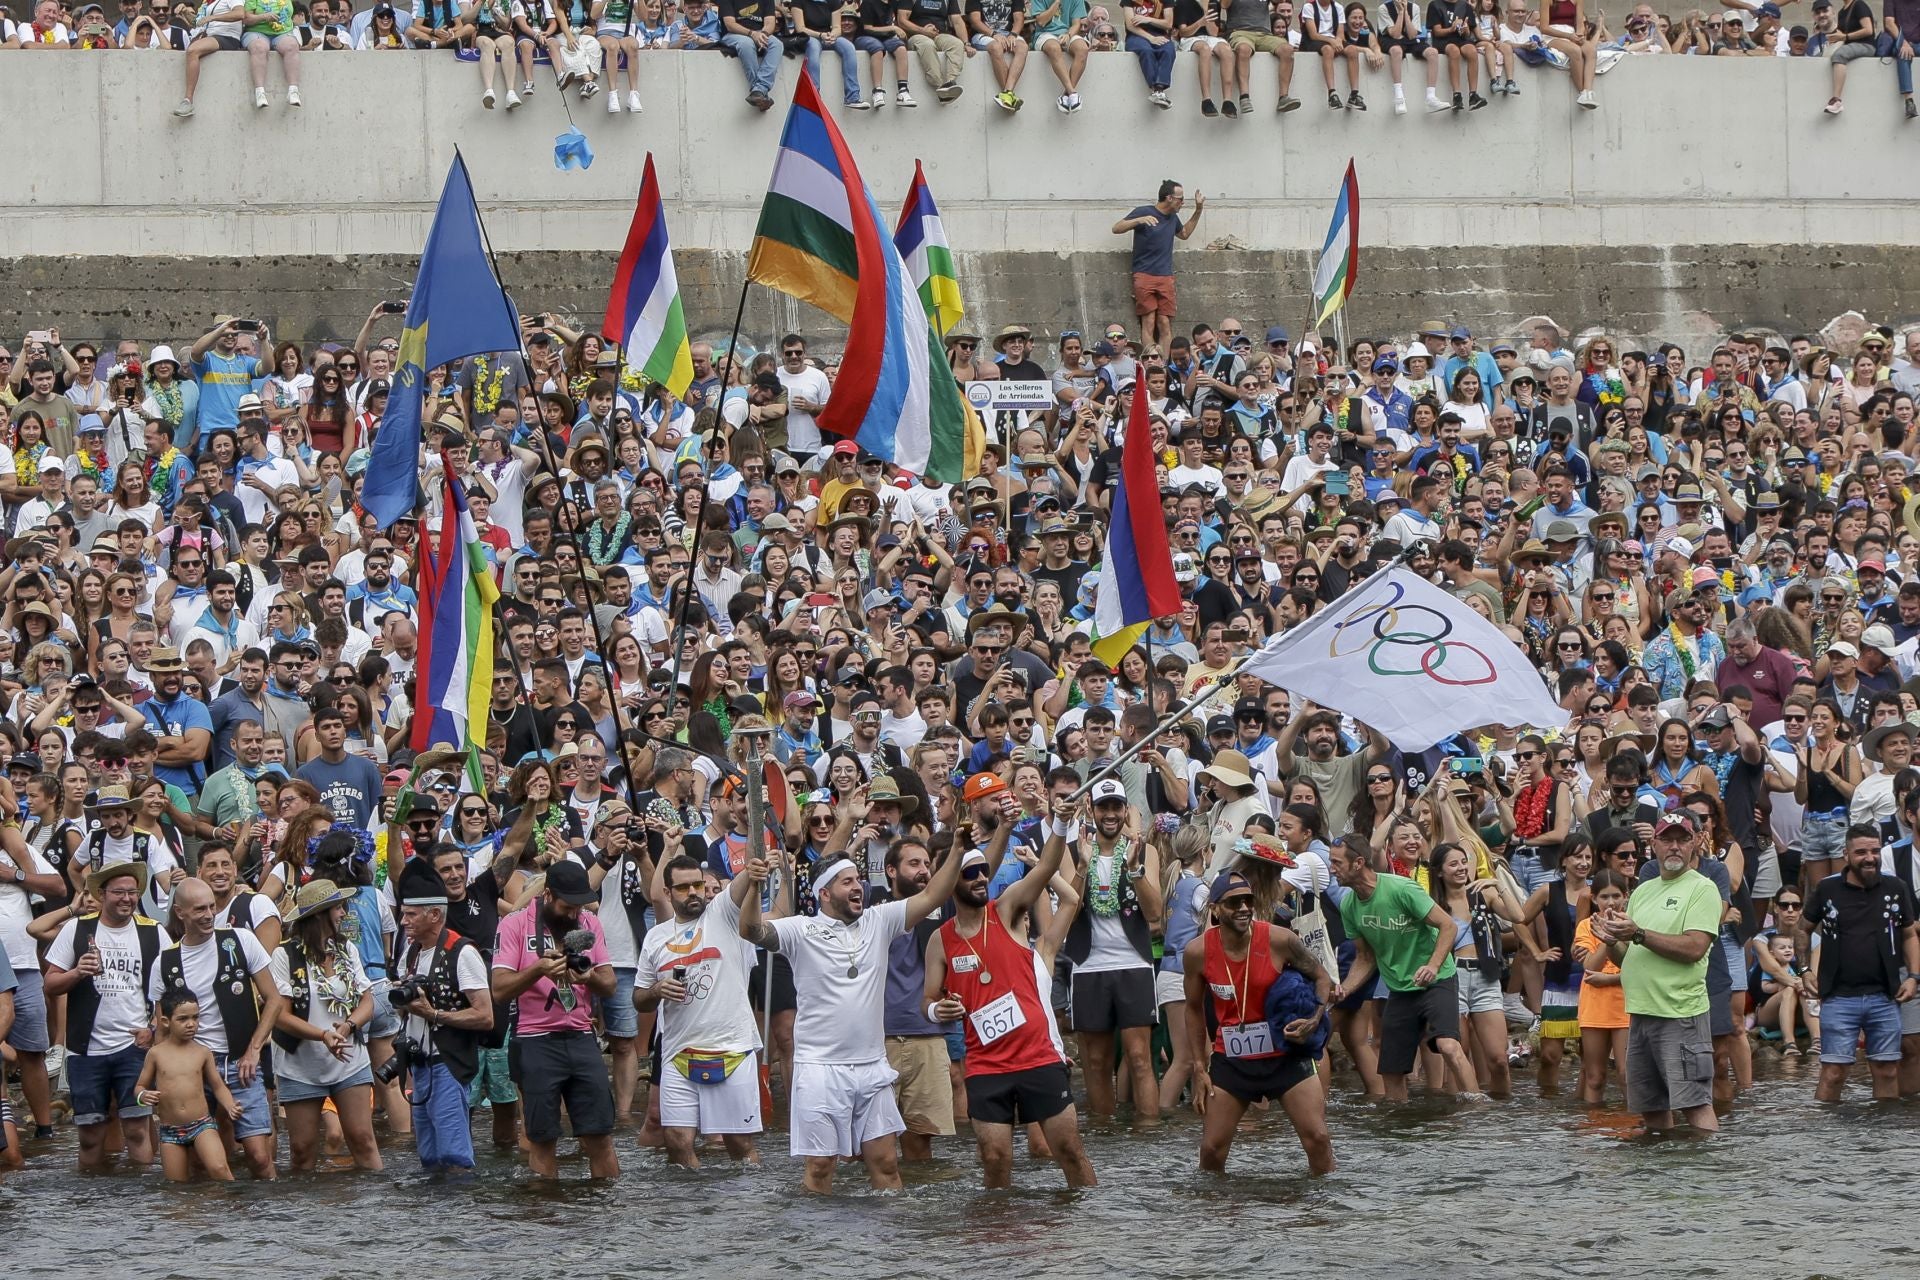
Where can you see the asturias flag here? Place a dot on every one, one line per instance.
(643, 311)
(1136, 567)
(820, 240)
(457, 310)
(921, 239)
(1340, 257)
(455, 658)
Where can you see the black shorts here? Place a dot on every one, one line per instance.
(783, 993)
(1416, 1017)
(1032, 1096)
(1114, 1000)
(1313, 44)
(1252, 1079)
(562, 1067)
(1443, 43)
(1412, 47)
(231, 44)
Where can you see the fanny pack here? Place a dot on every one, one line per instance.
(707, 1068)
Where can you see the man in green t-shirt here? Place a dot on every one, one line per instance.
(1399, 932)
(1660, 942)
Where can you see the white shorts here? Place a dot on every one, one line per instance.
(732, 1106)
(1046, 38)
(1169, 988)
(838, 1108)
(1188, 45)
(1765, 876)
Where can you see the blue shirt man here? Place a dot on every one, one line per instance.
(182, 724)
(224, 375)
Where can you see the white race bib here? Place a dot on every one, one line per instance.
(991, 1021)
(1247, 1040)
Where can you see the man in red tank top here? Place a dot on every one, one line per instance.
(1230, 968)
(981, 971)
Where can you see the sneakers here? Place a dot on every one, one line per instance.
(1334, 103)
(1399, 106)
(613, 103)
(1475, 102)
(1459, 103)
(259, 99)
(513, 99)
(1355, 101)
(293, 95)
(1513, 89)
(1207, 108)
(183, 108)
(949, 91)
(1246, 104)
(1160, 99)
(1434, 103)
(1006, 101)
(1018, 101)
(1587, 100)
(879, 99)
(564, 79)
(858, 104)
(486, 99)
(592, 87)
(526, 88)
(1912, 110)
(905, 99)
(1065, 106)
(759, 101)
(633, 101)
(1834, 106)
(1229, 109)
(1287, 103)
(1073, 102)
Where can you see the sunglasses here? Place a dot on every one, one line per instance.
(975, 872)
(1526, 755)
(1781, 904)
(1376, 779)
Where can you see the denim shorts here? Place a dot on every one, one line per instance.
(617, 1013)
(104, 1083)
(1530, 870)
(877, 44)
(1843, 1018)
(1823, 837)
(256, 1117)
(301, 1091)
(29, 1033)
(386, 1019)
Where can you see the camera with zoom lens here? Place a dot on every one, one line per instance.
(575, 947)
(406, 1051)
(405, 992)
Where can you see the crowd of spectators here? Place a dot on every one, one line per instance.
(1464, 45)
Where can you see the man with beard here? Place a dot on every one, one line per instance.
(1866, 960)
(694, 968)
(1111, 946)
(980, 969)
(473, 912)
(234, 905)
(180, 724)
(842, 1087)
(1308, 747)
(917, 1043)
(1660, 943)
(1243, 1064)
(377, 594)
(558, 1057)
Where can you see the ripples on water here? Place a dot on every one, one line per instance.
(1527, 1187)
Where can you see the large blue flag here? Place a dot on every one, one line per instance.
(457, 310)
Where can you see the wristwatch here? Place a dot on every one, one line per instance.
(1639, 937)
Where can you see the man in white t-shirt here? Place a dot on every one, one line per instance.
(694, 969)
(1317, 460)
(843, 1101)
(807, 392)
(100, 964)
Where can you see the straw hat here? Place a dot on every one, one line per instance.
(1231, 767)
(316, 896)
(114, 870)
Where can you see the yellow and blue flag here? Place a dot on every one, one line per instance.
(458, 309)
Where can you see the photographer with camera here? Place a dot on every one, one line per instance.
(619, 872)
(548, 952)
(445, 993)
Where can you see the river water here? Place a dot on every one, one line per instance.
(1523, 1188)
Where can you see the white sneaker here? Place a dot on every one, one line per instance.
(613, 103)
(588, 89)
(259, 98)
(183, 108)
(293, 95)
(879, 99)
(487, 99)
(1434, 102)
(633, 101)
(513, 99)
(1073, 102)
(1399, 106)
(1065, 106)
(1586, 99)
(906, 99)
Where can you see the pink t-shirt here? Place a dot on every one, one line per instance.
(543, 1007)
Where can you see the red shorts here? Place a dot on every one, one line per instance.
(1153, 296)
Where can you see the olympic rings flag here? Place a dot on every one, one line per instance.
(1403, 656)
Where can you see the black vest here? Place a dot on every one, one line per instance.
(97, 846)
(1133, 921)
(460, 1049)
(233, 990)
(83, 1001)
(240, 912)
(301, 1001)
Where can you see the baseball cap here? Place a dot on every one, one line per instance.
(567, 881)
(846, 448)
(1219, 724)
(1275, 333)
(982, 785)
(1681, 818)
(1107, 789)
(1844, 649)
(1228, 884)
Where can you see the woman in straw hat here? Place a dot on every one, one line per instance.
(319, 1042)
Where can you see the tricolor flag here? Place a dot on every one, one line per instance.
(1339, 262)
(1136, 566)
(643, 311)
(820, 240)
(457, 310)
(455, 658)
(922, 242)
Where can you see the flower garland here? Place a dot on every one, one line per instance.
(26, 464)
(487, 385)
(159, 470)
(171, 403)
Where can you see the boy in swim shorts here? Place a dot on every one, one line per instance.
(177, 1080)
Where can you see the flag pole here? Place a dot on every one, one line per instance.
(693, 552)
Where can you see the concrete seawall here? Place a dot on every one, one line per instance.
(1704, 194)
